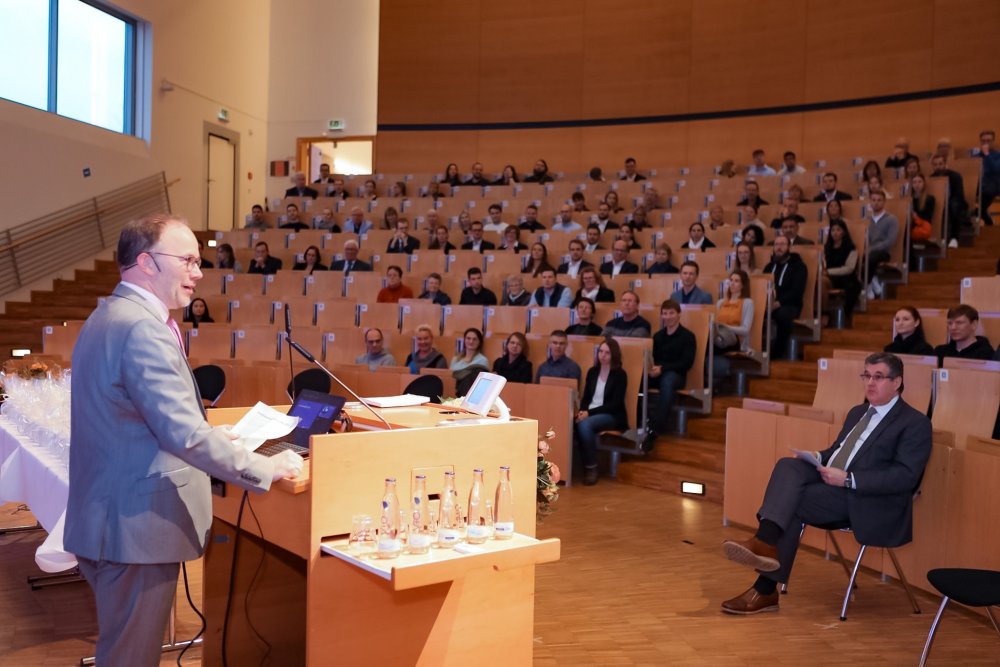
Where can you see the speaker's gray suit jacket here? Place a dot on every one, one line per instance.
(141, 451)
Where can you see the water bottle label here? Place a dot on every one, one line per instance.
(477, 532)
(419, 540)
(448, 535)
(505, 528)
(389, 544)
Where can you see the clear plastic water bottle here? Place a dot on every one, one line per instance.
(503, 508)
(477, 530)
(420, 537)
(449, 522)
(389, 543)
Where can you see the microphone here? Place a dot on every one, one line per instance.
(311, 359)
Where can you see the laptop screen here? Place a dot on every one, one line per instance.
(316, 412)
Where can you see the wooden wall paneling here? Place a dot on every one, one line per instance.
(426, 151)
(968, 114)
(711, 142)
(852, 132)
(560, 148)
(650, 145)
(973, 495)
(637, 59)
(964, 28)
(750, 457)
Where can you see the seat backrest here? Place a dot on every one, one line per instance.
(458, 318)
(211, 381)
(250, 311)
(982, 293)
(700, 320)
(507, 319)
(256, 343)
(414, 312)
(311, 378)
(546, 320)
(838, 388)
(337, 313)
(958, 390)
(285, 283)
(385, 316)
(240, 284)
(426, 385)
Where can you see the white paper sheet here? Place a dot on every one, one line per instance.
(262, 423)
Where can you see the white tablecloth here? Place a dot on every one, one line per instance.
(30, 473)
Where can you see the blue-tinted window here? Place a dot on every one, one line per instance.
(24, 51)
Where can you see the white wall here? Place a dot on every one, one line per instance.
(217, 54)
(327, 54)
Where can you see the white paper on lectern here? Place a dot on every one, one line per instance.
(262, 423)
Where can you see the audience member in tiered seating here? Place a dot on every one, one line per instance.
(375, 354)
(989, 185)
(958, 208)
(576, 262)
(530, 222)
(602, 406)
(830, 190)
(909, 337)
(922, 210)
(963, 341)
(745, 259)
(432, 291)
(674, 348)
(882, 232)
(557, 364)
(752, 227)
(197, 312)
(689, 292)
(790, 276)
(627, 233)
(494, 220)
(611, 199)
(697, 239)
(397, 189)
(327, 222)
(425, 356)
(515, 294)
(579, 202)
(262, 261)
(584, 319)
(870, 169)
(630, 173)
(389, 218)
(300, 189)
(511, 239)
(550, 292)
(651, 199)
(565, 222)
(439, 240)
(476, 241)
(394, 289)
(795, 192)
(874, 184)
(619, 263)
(508, 176)
(727, 169)
(513, 364)
(866, 478)
(465, 223)
(789, 210)
(759, 167)
(592, 287)
(401, 241)
(350, 262)
(430, 222)
(630, 323)
(338, 189)
(639, 218)
(900, 154)
(311, 261)
(451, 175)
(324, 174)
(790, 230)
(662, 263)
(356, 223)
(292, 219)
(912, 167)
(735, 313)
(475, 294)
(257, 219)
(470, 362)
(433, 190)
(840, 260)
(368, 190)
(205, 264)
(539, 260)
(596, 174)
(751, 196)
(716, 217)
(593, 238)
(539, 173)
(790, 166)
(603, 219)
(225, 258)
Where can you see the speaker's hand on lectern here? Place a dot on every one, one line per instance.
(287, 465)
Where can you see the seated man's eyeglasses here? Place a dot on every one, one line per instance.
(878, 377)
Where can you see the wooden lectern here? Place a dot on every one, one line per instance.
(308, 607)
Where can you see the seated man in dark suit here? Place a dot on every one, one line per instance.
(476, 241)
(963, 320)
(619, 261)
(790, 231)
(476, 294)
(262, 260)
(300, 188)
(292, 219)
(350, 262)
(576, 262)
(751, 196)
(866, 480)
(830, 190)
(477, 177)
(401, 241)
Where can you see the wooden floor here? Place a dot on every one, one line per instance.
(639, 583)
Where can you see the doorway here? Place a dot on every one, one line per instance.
(221, 182)
(348, 156)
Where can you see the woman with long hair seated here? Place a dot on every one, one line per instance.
(511, 239)
(311, 261)
(592, 287)
(439, 240)
(909, 337)
(513, 364)
(840, 259)
(197, 312)
(225, 258)
(539, 259)
(745, 260)
(602, 406)
(467, 364)
(734, 319)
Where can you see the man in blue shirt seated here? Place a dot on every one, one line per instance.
(690, 293)
(551, 293)
(558, 365)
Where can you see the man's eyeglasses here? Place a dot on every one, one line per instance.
(878, 377)
(191, 262)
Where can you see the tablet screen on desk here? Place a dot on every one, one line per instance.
(483, 393)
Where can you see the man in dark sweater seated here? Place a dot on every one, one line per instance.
(790, 275)
(262, 260)
(963, 341)
(674, 348)
(630, 323)
(584, 322)
(475, 294)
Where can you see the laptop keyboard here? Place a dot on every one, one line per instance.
(275, 447)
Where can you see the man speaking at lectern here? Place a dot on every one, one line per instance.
(141, 451)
